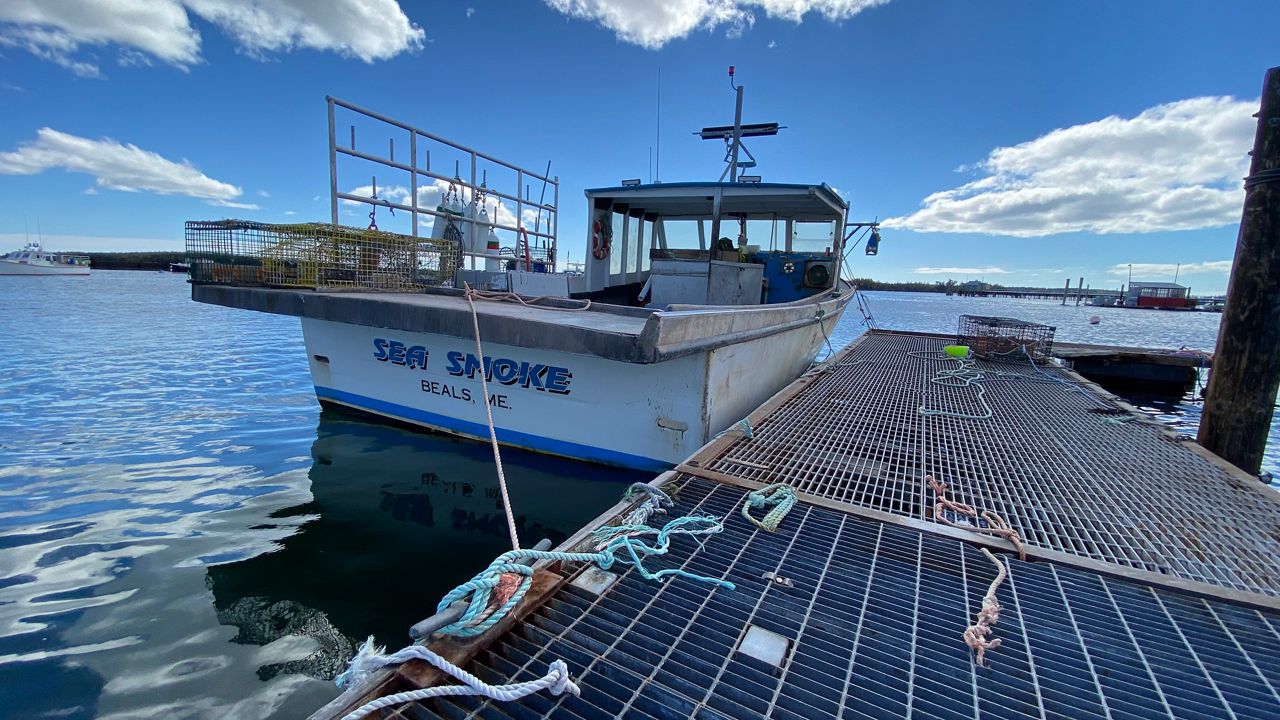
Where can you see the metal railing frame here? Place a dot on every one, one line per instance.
(474, 184)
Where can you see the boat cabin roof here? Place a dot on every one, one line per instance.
(693, 199)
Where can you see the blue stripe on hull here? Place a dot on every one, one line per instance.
(478, 431)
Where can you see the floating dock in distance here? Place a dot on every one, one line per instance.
(1151, 586)
(1142, 369)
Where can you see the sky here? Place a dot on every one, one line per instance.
(1020, 142)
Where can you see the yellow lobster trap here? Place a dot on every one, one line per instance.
(317, 256)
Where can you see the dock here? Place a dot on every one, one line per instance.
(1150, 586)
(1133, 368)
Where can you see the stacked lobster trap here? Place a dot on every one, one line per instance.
(317, 256)
(995, 338)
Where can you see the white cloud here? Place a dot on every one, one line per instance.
(1172, 167)
(290, 212)
(117, 166)
(429, 197)
(772, 44)
(366, 29)
(264, 193)
(1158, 269)
(471, 11)
(960, 271)
(162, 29)
(653, 23)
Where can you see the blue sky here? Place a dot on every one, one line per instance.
(1021, 142)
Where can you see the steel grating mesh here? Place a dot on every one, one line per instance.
(1054, 460)
(874, 617)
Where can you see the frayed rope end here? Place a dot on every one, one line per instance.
(368, 658)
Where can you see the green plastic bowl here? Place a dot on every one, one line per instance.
(957, 351)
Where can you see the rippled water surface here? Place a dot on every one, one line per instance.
(184, 534)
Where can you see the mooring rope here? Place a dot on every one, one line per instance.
(370, 658)
(743, 425)
(655, 504)
(864, 308)
(532, 302)
(488, 413)
(966, 375)
(996, 525)
(779, 496)
(490, 601)
(975, 636)
(499, 588)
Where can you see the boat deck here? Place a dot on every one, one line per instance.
(1151, 587)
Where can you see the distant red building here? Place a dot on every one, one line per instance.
(1157, 294)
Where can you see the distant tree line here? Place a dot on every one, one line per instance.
(947, 286)
(935, 287)
(133, 260)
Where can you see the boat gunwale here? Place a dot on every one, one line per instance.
(644, 345)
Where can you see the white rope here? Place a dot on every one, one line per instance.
(370, 658)
(530, 303)
(965, 375)
(975, 636)
(493, 434)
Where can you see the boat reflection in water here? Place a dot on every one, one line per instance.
(397, 519)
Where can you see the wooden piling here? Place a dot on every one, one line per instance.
(1240, 401)
(1066, 290)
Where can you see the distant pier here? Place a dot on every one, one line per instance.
(1151, 583)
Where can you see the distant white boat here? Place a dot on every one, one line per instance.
(33, 260)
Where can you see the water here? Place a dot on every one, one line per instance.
(184, 534)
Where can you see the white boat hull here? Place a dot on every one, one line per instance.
(11, 267)
(641, 415)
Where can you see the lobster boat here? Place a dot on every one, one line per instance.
(34, 260)
(694, 302)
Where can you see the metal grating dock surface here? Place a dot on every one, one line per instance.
(1054, 459)
(873, 617)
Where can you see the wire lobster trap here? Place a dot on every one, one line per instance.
(317, 256)
(995, 338)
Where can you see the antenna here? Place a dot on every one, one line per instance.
(732, 135)
(657, 156)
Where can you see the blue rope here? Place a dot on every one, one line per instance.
(657, 494)
(621, 537)
(778, 496)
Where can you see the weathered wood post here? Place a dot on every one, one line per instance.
(1066, 290)
(1246, 367)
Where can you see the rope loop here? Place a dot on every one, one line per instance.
(370, 658)
(499, 588)
(778, 496)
